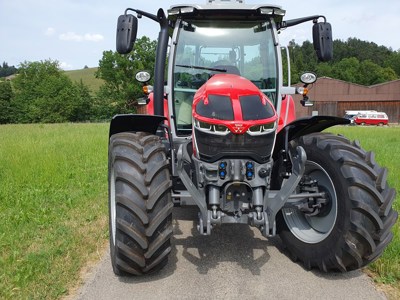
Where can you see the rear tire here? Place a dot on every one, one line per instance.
(354, 229)
(140, 205)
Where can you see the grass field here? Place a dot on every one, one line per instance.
(385, 142)
(87, 77)
(53, 204)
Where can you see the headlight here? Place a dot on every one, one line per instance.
(211, 128)
(262, 129)
(143, 76)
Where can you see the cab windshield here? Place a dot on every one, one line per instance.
(242, 48)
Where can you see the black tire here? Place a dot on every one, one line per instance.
(140, 205)
(355, 227)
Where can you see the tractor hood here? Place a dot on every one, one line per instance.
(235, 102)
(232, 117)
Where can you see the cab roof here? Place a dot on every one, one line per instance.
(225, 9)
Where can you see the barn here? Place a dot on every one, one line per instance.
(333, 97)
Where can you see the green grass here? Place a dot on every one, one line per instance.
(385, 142)
(53, 206)
(87, 77)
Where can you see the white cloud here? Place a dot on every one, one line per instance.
(72, 36)
(93, 37)
(65, 66)
(50, 31)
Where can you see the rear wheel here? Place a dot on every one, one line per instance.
(353, 226)
(140, 206)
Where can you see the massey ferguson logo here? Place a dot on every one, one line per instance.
(238, 128)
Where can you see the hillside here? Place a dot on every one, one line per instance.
(87, 77)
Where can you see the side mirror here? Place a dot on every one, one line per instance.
(126, 33)
(322, 39)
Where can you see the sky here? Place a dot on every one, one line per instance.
(76, 32)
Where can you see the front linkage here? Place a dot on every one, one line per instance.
(233, 191)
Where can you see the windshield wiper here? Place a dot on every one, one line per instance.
(202, 68)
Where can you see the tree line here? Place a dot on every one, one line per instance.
(6, 70)
(43, 93)
(353, 60)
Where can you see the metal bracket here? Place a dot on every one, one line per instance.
(275, 200)
(198, 197)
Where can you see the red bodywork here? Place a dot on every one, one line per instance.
(150, 107)
(234, 86)
(288, 112)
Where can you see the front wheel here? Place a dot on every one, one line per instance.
(140, 205)
(352, 227)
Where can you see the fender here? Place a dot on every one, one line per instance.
(131, 122)
(305, 126)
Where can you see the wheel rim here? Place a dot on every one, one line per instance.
(313, 229)
(112, 206)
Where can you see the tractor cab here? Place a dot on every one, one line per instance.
(207, 41)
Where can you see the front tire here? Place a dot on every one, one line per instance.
(140, 205)
(354, 227)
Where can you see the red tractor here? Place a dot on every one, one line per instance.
(221, 134)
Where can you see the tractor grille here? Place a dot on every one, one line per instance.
(213, 147)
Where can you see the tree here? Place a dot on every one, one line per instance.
(43, 93)
(6, 94)
(6, 70)
(371, 73)
(393, 62)
(347, 70)
(118, 71)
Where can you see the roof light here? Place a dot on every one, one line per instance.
(187, 10)
(266, 11)
(181, 10)
(224, 1)
(272, 11)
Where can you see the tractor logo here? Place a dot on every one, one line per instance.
(238, 128)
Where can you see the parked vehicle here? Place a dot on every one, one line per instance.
(371, 118)
(351, 114)
(221, 134)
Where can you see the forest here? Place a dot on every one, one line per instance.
(42, 93)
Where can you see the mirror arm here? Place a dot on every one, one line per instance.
(141, 13)
(293, 22)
